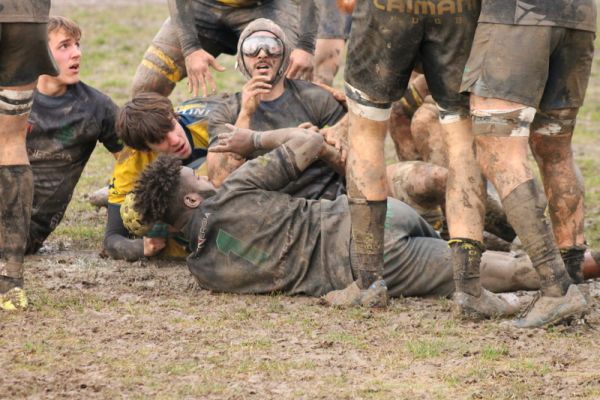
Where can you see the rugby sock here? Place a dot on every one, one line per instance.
(466, 258)
(16, 196)
(524, 209)
(366, 245)
(573, 259)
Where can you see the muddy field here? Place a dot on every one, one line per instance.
(99, 328)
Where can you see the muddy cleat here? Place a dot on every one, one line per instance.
(352, 296)
(99, 198)
(546, 310)
(487, 305)
(14, 299)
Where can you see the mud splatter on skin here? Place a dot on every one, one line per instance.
(564, 187)
(16, 183)
(524, 209)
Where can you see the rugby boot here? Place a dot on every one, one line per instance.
(375, 296)
(486, 305)
(546, 310)
(12, 295)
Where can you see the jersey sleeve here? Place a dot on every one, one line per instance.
(331, 111)
(127, 169)
(108, 134)
(224, 113)
(271, 171)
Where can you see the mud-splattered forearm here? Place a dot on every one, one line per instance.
(306, 145)
(309, 24)
(221, 165)
(333, 158)
(116, 243)
(183, 18)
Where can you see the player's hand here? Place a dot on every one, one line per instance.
(337, 136)
(197, 65)
(337, 94)
(236, 140)
(152, 246)
(251, 93)
(309, 126)
(301, 65)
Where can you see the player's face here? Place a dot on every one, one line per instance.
(195, 183)
(67, 54)
(262, 52)
(175, 143)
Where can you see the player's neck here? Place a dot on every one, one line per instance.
(275, 92)
(50, 86)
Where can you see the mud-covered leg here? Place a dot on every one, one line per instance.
(16, 194)
(502, 130)
(367, 192)
(525, 211)
(328, 55)
(16, 182)
(550, 142)
(465, 207)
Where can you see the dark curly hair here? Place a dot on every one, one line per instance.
(156, 188)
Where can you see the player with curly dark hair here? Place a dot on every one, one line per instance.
(250, 238)
(158, 189)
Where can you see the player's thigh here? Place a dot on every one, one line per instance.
(24, 54)
(570, 66)
(444, 53)
(382, 51)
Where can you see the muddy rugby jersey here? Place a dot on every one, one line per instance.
(251, 238)
(63, 132)
(193, 116)
(301, 101)
(574, 14)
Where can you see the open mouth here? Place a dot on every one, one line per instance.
(74, 68)
(180, 149)
(262, 68)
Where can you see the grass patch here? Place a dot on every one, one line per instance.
(424, 349)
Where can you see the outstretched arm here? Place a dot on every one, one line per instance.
(197, 60)
(306, 145)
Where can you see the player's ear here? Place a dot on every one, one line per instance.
(192, 200)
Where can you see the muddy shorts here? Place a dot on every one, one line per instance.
(24, 53)
(550, 70)
(332, 22)
(388, 37)
(219, 26)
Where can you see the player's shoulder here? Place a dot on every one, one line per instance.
(308, 89)
(90, 95)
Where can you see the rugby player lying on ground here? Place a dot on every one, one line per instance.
(246, 237)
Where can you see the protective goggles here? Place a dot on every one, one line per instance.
(253, 45)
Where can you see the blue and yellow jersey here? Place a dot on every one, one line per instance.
(193, 117)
